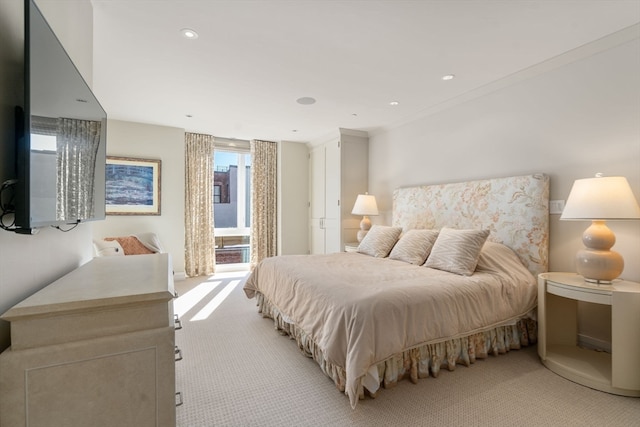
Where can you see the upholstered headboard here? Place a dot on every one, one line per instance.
(515, 210)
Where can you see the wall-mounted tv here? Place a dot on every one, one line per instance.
(61, 136)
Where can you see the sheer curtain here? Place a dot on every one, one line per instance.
(77, 147)
(200, 255)
(263, 201)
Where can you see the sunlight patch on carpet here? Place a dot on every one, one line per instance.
(215, 302)
(186, 302)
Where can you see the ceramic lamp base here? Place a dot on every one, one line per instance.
(365, 226)
(596, 263)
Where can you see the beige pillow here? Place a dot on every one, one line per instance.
(499, 258)
(106, 248)
(457, 251)
(414, 247)
(379, 241)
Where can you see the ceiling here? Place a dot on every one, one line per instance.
(253, 59)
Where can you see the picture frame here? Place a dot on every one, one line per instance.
(132, 186)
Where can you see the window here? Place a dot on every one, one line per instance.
(232, 205)
(42, 142)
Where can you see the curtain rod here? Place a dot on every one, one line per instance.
(228, 140)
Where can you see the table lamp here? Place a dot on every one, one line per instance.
(365, 205)
(600, 199)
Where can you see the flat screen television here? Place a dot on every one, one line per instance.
(61, 136)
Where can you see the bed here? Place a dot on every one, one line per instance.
(451, 280)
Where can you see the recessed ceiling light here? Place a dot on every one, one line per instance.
(189, 33)
(448, 77)
(294, 130)
(394, 103)
(188, 115)
(306, 100)
(354, 114)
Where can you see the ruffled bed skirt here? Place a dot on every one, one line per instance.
(414, 363)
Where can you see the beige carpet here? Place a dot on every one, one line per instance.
(238, 371)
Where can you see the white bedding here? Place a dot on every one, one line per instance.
(360, 310)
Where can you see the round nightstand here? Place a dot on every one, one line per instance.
(351, 247)
(615, 372)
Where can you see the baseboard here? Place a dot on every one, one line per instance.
(179, 275)
(592, 343)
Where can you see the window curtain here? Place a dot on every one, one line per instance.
(200, 255)
(77, 144)
(263, 201)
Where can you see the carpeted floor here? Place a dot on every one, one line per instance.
(238, 371)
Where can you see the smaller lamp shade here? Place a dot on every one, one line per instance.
(365, 205)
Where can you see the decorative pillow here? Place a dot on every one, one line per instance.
(107, 248)
(414, 247)
(131, 245)
(379, 241)
(457, 251)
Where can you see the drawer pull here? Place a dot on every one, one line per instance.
(177, 323)
(178, 354)
(179, 400)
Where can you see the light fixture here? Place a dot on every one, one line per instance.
(306, 100)
(448, 77)
(189, 33)
(599, 199)
(394, 103)
(365, 205)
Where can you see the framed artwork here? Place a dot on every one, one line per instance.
(132, 186)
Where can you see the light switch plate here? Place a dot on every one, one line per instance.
(556, 207)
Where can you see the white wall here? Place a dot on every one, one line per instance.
(127, 139)
(28, 263)
(568, 122)
(72, 22)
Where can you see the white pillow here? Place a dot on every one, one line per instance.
(457, 251)
(379, 241)
(107, 248)
(414, 246)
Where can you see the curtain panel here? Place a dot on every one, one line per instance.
(200, 255)
(77, 148)
(263, 200)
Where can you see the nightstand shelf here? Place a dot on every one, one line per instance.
(616, 372)
(585, 366)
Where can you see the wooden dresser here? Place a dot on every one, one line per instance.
(94, 348)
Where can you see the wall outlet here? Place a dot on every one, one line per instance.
(556, 207)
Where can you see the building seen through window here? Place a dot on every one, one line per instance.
(232, 206)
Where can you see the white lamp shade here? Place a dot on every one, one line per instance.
(365, 205)
(606, 198)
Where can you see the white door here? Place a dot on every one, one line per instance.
(332, 198)
(316, 166)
